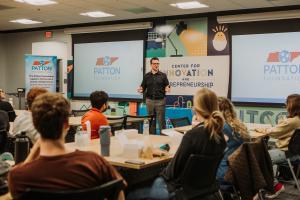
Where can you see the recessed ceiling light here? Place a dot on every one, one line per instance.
(189, 5)
(97, 14)
(25, 21)
(37, 2)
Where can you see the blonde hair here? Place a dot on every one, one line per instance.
(206, 105)
(229, 114)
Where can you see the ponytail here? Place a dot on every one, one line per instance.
(214, 124)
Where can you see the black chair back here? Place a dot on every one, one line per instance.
(116, 123)
(108, 190)
(178, 122)
(294, 144)
(70, 137)
(3, 140)
(78, 113)
(137, 122)
(199, 176)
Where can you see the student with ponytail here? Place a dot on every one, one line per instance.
(206, 139)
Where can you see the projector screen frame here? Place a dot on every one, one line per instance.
(107, 38)
(262, 27)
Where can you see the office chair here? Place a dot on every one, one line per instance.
(78, 113)
(137, 122)
(199, 178)
(293, 150)
(178, 122)
(116, 123)
(250, 169)
(70, 137)
(108, 190)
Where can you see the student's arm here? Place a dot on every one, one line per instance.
(11, 112)
(282, 128)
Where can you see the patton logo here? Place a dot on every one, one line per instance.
(41, 65)
(283, 56)
(106, 61)
(282, 65)
(106, 68)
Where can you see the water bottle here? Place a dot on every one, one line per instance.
(104, 134)
(22, 146)
(146, 127)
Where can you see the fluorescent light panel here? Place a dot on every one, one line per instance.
(264, 16)
(37, 2)
(96, 14)
(25, 21)
(189, 5)
(109, 28)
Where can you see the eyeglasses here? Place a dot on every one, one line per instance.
(155, 63)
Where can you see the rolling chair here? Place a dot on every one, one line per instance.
(199, 178)
(78, 113)
(293, 150)
(178, 122)
(137, 122)
(116, 123)
(108, 190)
(250, 170)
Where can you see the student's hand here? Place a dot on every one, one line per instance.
(261, 130)
(167, 89)
(140, 90)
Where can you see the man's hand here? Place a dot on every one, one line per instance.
(167, 89)
(140, 89)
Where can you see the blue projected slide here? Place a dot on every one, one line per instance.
(114, 67)
(265, 67)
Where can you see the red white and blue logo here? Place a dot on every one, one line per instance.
(283, 56)
(106, 61)
(40, 62)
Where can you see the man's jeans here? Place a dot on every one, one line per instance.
(157, 107)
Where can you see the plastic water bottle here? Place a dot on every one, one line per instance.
(146, 127)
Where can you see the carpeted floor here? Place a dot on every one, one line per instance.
(290, 193)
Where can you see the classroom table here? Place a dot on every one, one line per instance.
(135, 174)
(250, 126)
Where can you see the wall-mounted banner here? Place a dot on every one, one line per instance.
(187, 74)
(40, 71)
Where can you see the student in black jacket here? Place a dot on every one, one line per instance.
(6, 106)
(204, 139)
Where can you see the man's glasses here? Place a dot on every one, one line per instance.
(155, 63)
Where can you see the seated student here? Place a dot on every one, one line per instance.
(206, 138)
(23, 122)
(99, 102)
(283, 131)
(50, 165)
(235, 133)
(7, 107)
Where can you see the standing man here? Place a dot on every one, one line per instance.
(155, 84)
